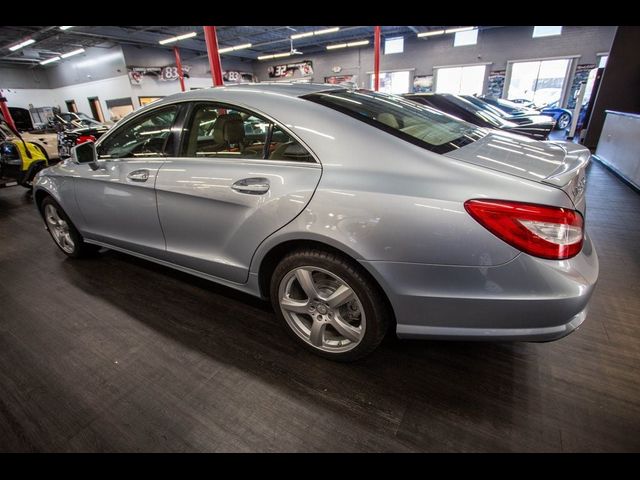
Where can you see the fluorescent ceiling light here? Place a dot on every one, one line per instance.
(22, 44)
(237, 47)
(72, 53)
(65, 28)
(316, 32)
(179, 37)
(461, 29)
(301, 35)
(326, 30)
(49, 60)
(431, 33)
(349, 44)
(274, 55)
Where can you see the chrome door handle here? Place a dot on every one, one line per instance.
(254, 186)
(139, 175)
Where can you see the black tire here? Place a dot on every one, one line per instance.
(80, 248)
(564, 119)
(370, 295)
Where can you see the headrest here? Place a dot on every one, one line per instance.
(229, 128)
(388, 119)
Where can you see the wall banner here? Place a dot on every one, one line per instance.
(292, 70)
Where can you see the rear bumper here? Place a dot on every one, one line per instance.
(526, 299)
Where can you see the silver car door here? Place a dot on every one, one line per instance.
(216, 207)
(118, 200)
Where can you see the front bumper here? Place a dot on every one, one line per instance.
(526, 299)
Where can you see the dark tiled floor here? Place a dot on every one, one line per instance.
(116, 354)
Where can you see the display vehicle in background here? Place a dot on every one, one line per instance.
(519, 115)
(42, 135)
(20, 160)
(353, 211)
(537, 127)
(562, 116)
(75, 128)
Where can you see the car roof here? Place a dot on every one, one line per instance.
(289, 89)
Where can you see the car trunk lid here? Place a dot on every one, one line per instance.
(560, 164)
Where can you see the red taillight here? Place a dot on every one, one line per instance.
(85, 138)
(539, 230)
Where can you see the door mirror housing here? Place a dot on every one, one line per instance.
(85, 153)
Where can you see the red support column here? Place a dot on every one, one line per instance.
(211, 40)
(5, 112)
(179, 67)
(376, 58)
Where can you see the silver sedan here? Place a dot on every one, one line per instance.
(353, 211)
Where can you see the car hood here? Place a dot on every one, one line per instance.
(560, 164)
(531, 119)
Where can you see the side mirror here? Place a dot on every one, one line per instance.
(85, 153)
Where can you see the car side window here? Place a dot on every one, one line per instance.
(284, 147)
(145, 136)
(223, 132)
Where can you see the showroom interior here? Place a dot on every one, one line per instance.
(116, 353)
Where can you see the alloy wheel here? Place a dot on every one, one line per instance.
(322, 309)
(59, 228)
(563, 121)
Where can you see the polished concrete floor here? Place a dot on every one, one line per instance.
(116, 354)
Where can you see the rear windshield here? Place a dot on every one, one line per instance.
(418, 124)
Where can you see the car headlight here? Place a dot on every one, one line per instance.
(9, 154)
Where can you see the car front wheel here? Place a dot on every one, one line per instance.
(329, 305)
(63, 232)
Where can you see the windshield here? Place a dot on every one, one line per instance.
(5, 132)
(418, 124)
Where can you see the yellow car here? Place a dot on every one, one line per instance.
(19, 160)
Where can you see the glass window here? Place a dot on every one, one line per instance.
(603, 61)
(217, 131)
(223, 132)
(546, 31)
(540, 81)
(393, 82)
(461, 80)
(468, 37)
(418, 124)
(393, 45)
(284, 147)
(144, 136)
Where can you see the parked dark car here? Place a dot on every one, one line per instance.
(562, 116)
(457, 106)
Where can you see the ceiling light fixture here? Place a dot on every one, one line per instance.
(179, 37)
(65, 28)
(275, 55)
(49, 60)
(431, 33)
(349, 44)
(72, 53)
(237, 47)
(461, 29)
(316, 32)
(22, 44)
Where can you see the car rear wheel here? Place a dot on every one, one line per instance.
(63, 232)
(328, 305)
(563, 121)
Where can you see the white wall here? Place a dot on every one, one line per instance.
(110, 88)
(151, 87)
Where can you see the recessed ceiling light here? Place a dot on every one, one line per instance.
(65, 28)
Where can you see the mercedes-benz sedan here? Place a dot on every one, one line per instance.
(353, 211)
